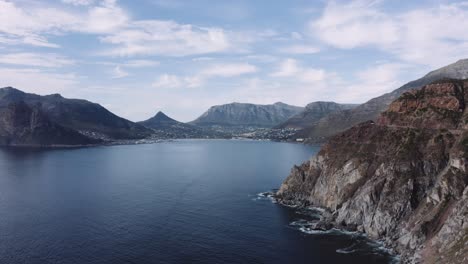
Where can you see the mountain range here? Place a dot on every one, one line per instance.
(84, 122)
(244, 114)
(31, 119)
(340, 120)
(312, 113)
(166, 127)
(88, 118)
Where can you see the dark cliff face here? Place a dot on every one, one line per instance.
(240, 114)
(312, 113)
(80, 115)
(22, 125)
(403, 178)
(338, 121)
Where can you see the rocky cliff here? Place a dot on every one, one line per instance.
(340, 120)
(402, 179)
(22, 125)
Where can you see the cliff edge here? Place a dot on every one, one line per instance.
(402, 179)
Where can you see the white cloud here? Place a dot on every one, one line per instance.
(432, 36)
(37, 81)
(105, 18)
(79, 2)
(166, 38)
(290, 68)
(131, 63)
(216, 70)
(36, 59)
(118, 73)
(228, 70)
(167, 81)
(141, 63)
(355, 24)
(372, 82)
(126, 36)
(300, 49)
(296, 36)
(20, 26)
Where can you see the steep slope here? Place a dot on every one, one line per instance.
(166, 127)
(22, 125)
(312, 113)
(241, 114)
(403, 179)
(81, 115)
(340, 120)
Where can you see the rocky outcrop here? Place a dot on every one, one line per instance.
(403, 179)
(242, 114)
(341, 120)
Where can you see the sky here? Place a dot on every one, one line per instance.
(181, 57)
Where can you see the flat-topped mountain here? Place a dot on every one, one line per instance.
(244, 114)
(24, 125)
(403, 178)
(340, 120)
(312, 113)
(166, 127)
(86, 117)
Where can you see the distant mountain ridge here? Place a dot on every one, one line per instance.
(312, 113)
(246, 114)
(165, 127)
(86, 117)
(341, 120)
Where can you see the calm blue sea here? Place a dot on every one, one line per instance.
(192, 201)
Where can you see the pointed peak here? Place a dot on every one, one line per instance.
(10, 89)
(160, 116)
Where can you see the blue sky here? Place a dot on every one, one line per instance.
(139, 57)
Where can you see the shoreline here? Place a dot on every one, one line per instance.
(327, 223)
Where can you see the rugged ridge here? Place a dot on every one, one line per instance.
(312, 113)
(403, 179)
(86, 117)
(338, 121)
(22, 125)
(166, 127)
(243, 114)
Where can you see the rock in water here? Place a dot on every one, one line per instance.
(402, 179)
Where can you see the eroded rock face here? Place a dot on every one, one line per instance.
(23, 125)
(403, 179)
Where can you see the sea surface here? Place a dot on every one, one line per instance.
(191, 201)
